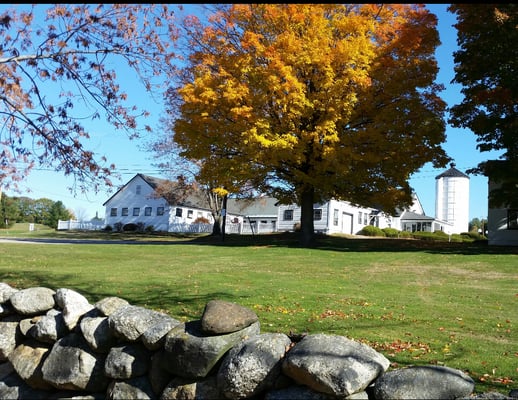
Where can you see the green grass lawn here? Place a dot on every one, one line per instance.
(417, 302)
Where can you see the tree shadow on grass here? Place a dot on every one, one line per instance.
(288, 240)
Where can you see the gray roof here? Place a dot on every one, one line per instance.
(263, 206)
(411, 216)
(452, 173)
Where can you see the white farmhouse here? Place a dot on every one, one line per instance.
(137, 203)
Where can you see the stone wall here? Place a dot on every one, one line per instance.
(55, 344)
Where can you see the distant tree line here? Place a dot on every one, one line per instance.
(24, 209)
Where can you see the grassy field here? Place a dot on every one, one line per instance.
(417, 302)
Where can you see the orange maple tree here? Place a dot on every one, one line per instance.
(312, 102)
(58, 68)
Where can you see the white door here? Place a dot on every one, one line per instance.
(347, 223)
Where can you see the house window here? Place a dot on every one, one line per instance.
(136, 211)
(147, 211)
(317, 214)
(113, 212)
(189, 213)
(360, 217)
(139, 189)
(288, 215)
(124, 211)
(178, 212)
(335, 217)
(512, 219)
(365, 219)
(160, 211)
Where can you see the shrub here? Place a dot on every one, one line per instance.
(201, 220)
(391, 232)
(429, 236)
(131, 227)
(405, 234)
(370, 230)
(150, 228)
(108, 228)
(118, 226)
(473, 235)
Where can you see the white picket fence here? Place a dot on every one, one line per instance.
(236, 228)
(80, 225)
(190, 228)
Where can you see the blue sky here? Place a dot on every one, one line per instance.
(130, 158)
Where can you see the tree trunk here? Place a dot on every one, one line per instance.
(216, 227)
(306, 217)
(224, 215)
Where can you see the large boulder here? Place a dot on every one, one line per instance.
(97, 333)
(253, 366)
(220, 317)
(8, 338)
(130, 322)
(334, 364)
(49, 327)
(73, 304)
(33, 301)
(188, 389)
(71, 365)
(190, 353)
(128, 361)
(27, 360)
(424, 382)
(6, 291)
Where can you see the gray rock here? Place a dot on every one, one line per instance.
(73, 304)
(252, 366)
(14, 387)
(334, 364)
(154, 337)
(8, 338)
(72, 365)
(424, 382)
(299, 392)
(135, 388)
(192, 354)
(109, 305)
(27, 360)
(129, 361)
(6, 291)
(33, 301)
(185, 389)
(97, 333)
(220, 317)
(50, 327)
(158, 376)
(26, 324)
(130, 322)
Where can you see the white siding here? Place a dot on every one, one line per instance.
(337, 217)
(127, 198)
(452, 202)
(497, 225)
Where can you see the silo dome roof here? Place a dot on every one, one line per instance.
(452, 173)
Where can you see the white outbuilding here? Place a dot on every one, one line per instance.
(452, 200)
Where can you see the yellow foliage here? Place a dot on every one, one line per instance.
(338, 97)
